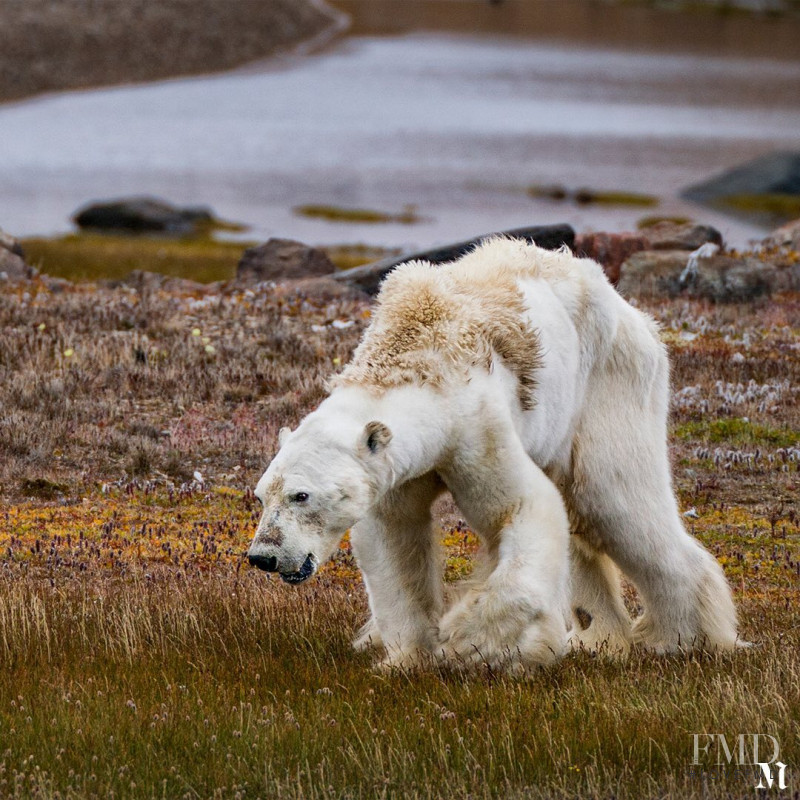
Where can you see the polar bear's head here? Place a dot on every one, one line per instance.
(320, 483)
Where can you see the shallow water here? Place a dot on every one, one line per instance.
(457, 126)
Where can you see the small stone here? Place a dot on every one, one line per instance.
(688, 236)
(283, 258)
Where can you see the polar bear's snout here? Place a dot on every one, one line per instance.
(267, 563)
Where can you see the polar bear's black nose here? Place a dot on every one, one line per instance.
(267, 563)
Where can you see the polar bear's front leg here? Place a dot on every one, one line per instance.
(520, 614)
(396, 552)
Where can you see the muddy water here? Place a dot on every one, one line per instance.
(459, 126)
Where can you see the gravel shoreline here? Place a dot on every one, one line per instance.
(51, 45)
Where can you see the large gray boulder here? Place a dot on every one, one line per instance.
(721, 278)
(686, 236)
(753, 190)
(368, 278)
(278, 259)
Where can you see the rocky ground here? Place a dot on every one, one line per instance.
(49, 45)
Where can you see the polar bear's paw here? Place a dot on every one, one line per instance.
(499, 631)
(402, 660)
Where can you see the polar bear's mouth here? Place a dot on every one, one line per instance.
(304, 573)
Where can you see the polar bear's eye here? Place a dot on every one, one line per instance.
(299, 497)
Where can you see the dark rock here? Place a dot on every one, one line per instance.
(610, 250)
(689, 236)
(738, 191)
(283, 258)
(12, 260)
(368, 277)
(142, 215)
(721, 278)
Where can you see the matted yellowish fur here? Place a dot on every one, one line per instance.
(433, 321)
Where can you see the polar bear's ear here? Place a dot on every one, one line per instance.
(377, 436)
(283, 435)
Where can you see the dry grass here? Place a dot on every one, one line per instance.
(142, 658)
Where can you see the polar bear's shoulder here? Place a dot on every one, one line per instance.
(432, 322)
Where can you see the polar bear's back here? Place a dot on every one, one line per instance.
(435, 322)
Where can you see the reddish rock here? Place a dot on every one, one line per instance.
(610, 250)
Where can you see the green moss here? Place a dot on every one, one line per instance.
(655, 219)
(346, 256)
(550, 192)
(777, 206)
(587, 196)
(336, 214)
(737, 432)
(94, 256)
(42, 488)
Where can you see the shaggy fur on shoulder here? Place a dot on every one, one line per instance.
(432, 322)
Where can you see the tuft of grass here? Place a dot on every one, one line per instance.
(737, 432)
(332, 213)
(42, 488)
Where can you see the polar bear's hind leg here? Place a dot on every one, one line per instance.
(621, 481)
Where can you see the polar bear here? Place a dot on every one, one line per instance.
(519, 380)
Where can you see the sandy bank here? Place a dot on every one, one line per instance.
(48, 45)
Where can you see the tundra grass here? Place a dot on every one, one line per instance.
(95, 256)
(141, 657)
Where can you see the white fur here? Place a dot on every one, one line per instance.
(590, 458)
